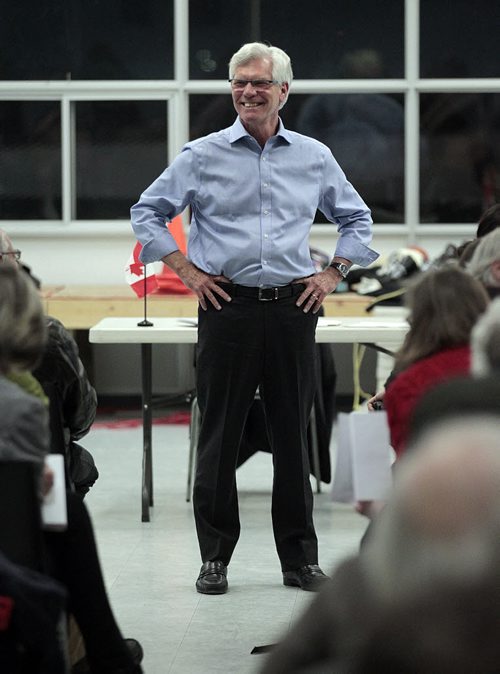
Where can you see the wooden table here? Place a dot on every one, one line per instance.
(125, 330)
(79, 307)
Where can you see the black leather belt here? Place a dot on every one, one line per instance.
(263, 294)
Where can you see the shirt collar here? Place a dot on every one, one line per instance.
(237, 131)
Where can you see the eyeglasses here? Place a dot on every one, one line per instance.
(15, 253)
(258, 85)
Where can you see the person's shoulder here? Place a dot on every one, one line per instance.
(56, 328)
(59, 338)
(13, 397)
(215, 138)
(453, 354)
(308, 141)
(448, 360)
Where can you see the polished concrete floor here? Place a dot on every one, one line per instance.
(150, 568)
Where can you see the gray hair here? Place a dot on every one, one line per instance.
(23, 331)
(485, 341)
(442, 522)
(251, 51)
(487, 252)
(6, 245)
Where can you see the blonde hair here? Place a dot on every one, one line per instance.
(23, 331)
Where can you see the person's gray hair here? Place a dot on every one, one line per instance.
(23, 331)
(442, 521)
(485, 341)
(280, 61)
(6, 245)
(486, 252)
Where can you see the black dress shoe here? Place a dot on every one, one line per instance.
(308, 577)
(212, 578)
(135, 648)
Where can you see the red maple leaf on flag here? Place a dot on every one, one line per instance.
(141, 279)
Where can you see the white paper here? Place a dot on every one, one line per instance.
(54, 512)
(342, 488)
(381, 324)
(364, 456)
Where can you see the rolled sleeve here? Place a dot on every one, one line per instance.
(165, 198)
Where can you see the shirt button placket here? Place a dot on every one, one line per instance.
(265, 216)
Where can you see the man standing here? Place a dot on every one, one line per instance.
(253, 190)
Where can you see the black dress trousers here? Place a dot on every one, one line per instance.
(249, 345)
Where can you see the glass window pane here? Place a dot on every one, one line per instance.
(121, 147)
(460, 156)
(364, 131)
(76, 39)
(459, 38)
(30, 160)
(323, 39)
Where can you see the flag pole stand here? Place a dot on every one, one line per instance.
(145, 323)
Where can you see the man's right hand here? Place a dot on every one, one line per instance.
(202, 284)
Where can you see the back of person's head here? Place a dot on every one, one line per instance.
(451, 400)
(489, 221)
(251, 51)
(442, 521)
(452, 629)
(466, 251)
(7, 251)
(444, 304)
(22, 321)
(485, 262)
(485, 341)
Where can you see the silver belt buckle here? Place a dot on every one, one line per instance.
(267, 299)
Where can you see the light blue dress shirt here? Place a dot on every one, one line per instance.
(252, 208)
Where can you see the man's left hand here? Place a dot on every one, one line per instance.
(318, 286)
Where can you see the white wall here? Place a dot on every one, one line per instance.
(96, 253)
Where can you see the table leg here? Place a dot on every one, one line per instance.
(147, 423)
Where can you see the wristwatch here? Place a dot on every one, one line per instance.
(342, 268)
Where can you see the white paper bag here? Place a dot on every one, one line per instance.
(54, 513)
(364, 457)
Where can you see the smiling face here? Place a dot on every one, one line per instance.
(258, 110)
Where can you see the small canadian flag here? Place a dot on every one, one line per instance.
(141, 279)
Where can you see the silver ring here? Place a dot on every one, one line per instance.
(315, 296)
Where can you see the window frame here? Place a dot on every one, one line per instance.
(176, 94)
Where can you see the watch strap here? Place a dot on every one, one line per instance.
(342, 268)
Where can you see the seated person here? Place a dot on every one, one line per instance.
(72, 557)
(72, 398)
(484, 264)
(426, 547)
(444, 305)
(485, 342)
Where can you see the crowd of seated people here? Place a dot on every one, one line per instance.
(444, 306)
(69, 556)
(422, 594)
(436, 312)
(61, 377)
(431, 560)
